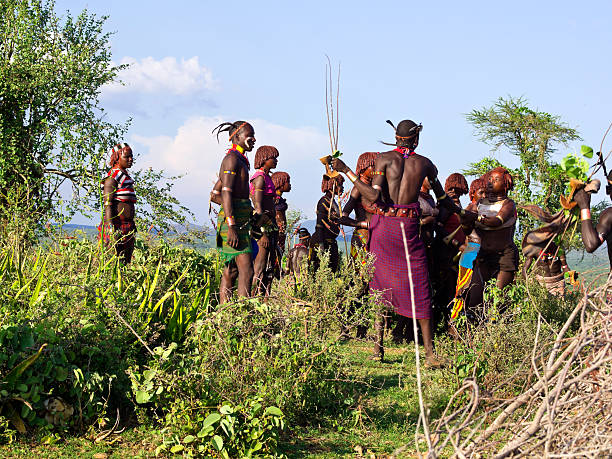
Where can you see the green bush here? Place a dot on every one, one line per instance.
(77, 299)
(148, 338)
(252, 363)
(496, 352)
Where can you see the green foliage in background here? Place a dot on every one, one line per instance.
(53, 129)
(532, 136)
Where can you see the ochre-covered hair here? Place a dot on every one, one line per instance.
(231, 128)
(115, 153)
(456, 180)
(264, 153)
(365, 160)
(508, 182)
(476, 185)
(280, 179)
(328, 183)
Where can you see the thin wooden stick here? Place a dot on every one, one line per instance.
(416, 343)
(601, 150)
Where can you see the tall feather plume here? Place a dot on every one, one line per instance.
(333, 116)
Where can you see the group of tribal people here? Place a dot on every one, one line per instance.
(425, 251)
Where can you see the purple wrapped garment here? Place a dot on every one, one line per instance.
(390, 269)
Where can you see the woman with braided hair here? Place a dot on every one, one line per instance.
(265, 230)
(469, 250)
(119, 203)
(327, 227)
(449, 237)
(456, 186)
(282, 183)
(495, 225)
(363, 208)
(233, 221)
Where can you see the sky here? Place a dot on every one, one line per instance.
(195, 64)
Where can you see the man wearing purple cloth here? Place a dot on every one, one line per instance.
(398, 176)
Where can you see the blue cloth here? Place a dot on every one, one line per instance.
(469, 255)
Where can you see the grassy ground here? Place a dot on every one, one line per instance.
(382, 418)
(387, 407)
(135, 443)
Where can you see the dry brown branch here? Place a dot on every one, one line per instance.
(564, 411)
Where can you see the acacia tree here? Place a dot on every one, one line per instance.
(53, 129)
(532, 136)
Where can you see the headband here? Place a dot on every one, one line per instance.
(236, 131)
(418, 127)
(118, 148)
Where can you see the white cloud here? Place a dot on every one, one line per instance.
(194, 151)
(166, 75)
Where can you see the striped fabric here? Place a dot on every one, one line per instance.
(125, 185)
(390, 268)
(466, 267)
(126, 227)
(242, 215)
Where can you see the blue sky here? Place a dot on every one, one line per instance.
(200, 62)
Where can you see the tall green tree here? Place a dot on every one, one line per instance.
(53, 129)
(532, 136)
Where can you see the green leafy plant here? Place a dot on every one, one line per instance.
(245, 430)
(11, 388)
(575, 166)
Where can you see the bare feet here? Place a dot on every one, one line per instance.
(432, 362)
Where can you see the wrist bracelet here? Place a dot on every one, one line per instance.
(351, 176)
(230, 221)
(585, 214)
(215, 192)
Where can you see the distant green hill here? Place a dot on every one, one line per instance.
(590, 265)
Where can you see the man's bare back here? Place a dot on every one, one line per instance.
(404, 175)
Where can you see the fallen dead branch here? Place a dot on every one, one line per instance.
(565, 411)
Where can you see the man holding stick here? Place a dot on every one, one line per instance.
(398, 177)
(593, 236)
